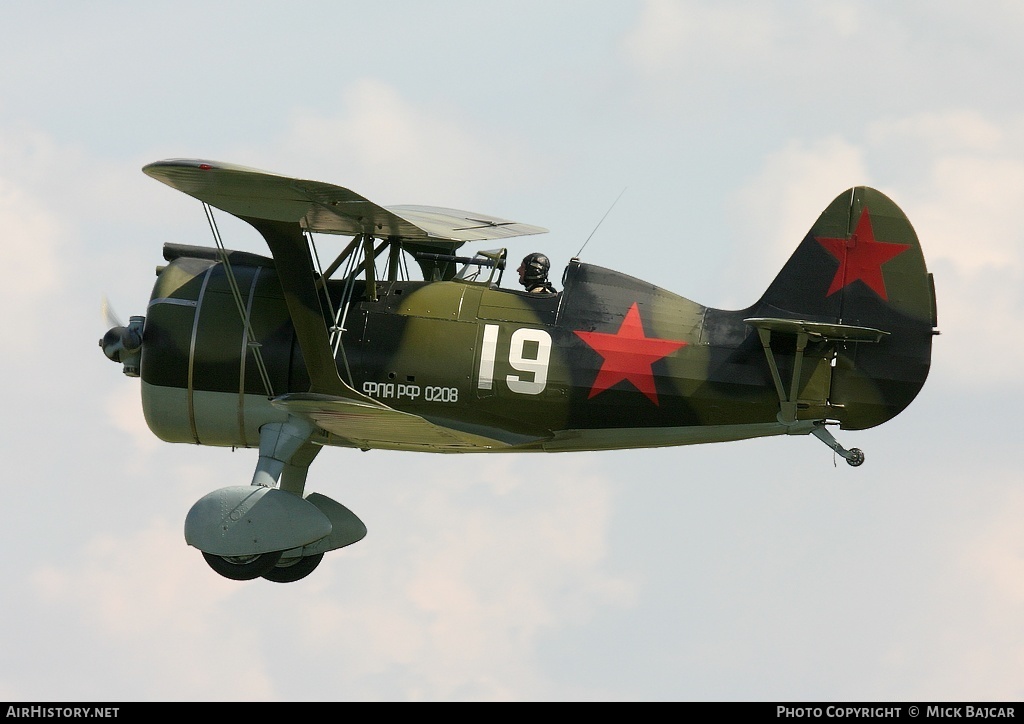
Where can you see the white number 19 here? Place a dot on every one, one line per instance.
(535, 365)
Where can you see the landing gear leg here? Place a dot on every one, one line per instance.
(279, 442)
(293, 480)
(853, 456)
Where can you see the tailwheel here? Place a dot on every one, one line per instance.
(854, 456)
(243, 568)
(293, 569)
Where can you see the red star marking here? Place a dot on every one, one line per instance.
(860, 257)
(628, 355)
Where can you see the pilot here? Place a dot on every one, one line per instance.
(533, 274)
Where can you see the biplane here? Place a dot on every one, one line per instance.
(287, 355)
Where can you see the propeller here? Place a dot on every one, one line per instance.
(109, 315)
(120, 343)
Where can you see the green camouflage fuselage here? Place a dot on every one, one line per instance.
(610, 362)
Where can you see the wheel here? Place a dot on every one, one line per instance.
(299, 568)
(242, 568)
(856, 457)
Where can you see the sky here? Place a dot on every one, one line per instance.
(746, 571)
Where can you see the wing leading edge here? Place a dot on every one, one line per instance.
(325, 208)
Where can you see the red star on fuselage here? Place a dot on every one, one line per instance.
(628, 355)
(860, 256)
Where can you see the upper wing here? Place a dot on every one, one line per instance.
(325, 208)
(455, 225)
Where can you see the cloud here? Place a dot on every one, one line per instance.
(775, 209)
(958, 175)
(990, 570)
(995, 558)
(31, 237)
(769, 39)
(124, 410)
(455, 591)
(670, 36)
(107, 581)
(403, 151)
(940, 131)
(136, 595)
(69, 222)
(833, 65)
(748, 42)
(964, 177)
(482, 573)
(970, 217)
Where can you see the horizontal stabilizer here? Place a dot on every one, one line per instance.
(818, 330)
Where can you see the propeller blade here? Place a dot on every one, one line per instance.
(109, 315)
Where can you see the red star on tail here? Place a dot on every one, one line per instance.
(860, 256)
(628, 355)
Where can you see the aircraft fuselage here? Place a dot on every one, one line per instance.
(611, 361)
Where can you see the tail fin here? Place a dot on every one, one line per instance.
(861, 264)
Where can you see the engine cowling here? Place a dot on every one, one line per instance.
(202, 377)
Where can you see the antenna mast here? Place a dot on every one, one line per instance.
(577, 257)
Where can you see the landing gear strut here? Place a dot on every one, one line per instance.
(854, 456)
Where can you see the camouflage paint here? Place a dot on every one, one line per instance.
(556, 372)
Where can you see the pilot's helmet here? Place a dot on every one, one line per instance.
(535, 267)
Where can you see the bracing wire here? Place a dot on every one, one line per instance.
(344, 302)
(250, 336)
(320, 270)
